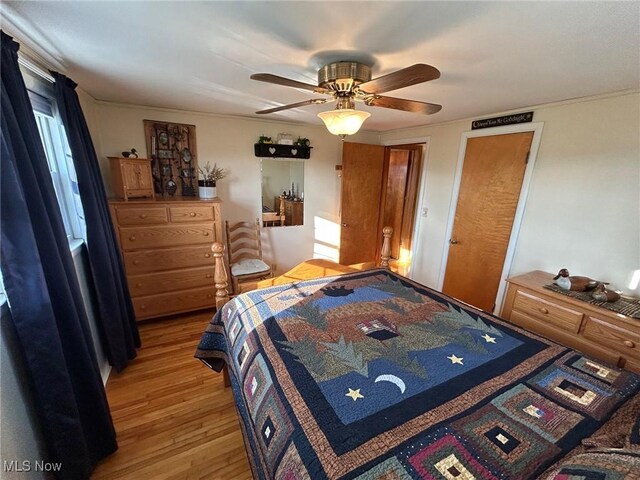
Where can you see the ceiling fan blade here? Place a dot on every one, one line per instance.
(287, 82)
(417, 73)
(314, 101)
(402, 104)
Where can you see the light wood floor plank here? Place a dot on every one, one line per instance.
(173, 416)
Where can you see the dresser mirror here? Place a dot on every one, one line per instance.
(282, 192)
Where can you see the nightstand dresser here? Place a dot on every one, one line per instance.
(166, 249)
(596, 331)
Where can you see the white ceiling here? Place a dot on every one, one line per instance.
(494, 56)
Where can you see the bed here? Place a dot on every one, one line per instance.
(368, 375)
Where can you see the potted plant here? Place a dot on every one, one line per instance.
(207, 180)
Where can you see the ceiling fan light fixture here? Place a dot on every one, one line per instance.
(346, 121)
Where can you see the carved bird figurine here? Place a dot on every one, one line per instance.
(601, 293)
(577, 284)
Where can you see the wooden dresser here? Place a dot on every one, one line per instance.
(166, 249)
(593, 330)
(293, 212)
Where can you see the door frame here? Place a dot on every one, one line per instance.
(536, 128)
(420, 200)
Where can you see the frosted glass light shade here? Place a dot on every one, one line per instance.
(346, 121)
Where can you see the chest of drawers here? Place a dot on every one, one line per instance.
(596, 331)
(293, 212)
(166, 249)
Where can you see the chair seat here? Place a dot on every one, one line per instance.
(249, 266)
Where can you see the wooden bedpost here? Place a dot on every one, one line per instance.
(220, 275)
(385, 252)
(281, 215)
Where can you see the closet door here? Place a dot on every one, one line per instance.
(492, 176)
(362, 183)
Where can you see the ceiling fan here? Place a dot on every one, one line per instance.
(350, 82)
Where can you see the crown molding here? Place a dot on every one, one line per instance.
(34, 45)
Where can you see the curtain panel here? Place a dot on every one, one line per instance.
(43, 291)
(116, 319)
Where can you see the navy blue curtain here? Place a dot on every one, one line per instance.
(43, 291)
(116, 318)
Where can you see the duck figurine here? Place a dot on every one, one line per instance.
(577, 284)
(601, 293)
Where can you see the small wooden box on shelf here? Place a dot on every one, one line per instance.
(131, 177)
(596, 331)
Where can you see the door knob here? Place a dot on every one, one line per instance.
(345, 225)
(453, 241)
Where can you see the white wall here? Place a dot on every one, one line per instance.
(583, 208)
(228, 141)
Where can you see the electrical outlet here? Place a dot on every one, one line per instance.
(425, 212)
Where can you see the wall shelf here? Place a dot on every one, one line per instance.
(274, 150)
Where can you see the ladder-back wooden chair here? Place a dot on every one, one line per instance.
(245, 253)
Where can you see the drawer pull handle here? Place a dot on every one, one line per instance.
(138, 285)
(132, 238)
(143, 307)
(209, 295)
(207, 255)
(143, 215)
(544, 310)
(208, 275)
(629, 343)
(206, 234)
(193, 214)
(136, 262)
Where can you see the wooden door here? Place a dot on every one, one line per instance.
(362, 174)
(400, 196)
(394, 203)
(490, 187)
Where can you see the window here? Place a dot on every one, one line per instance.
(58, 153)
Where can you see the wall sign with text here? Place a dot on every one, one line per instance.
(512, 119)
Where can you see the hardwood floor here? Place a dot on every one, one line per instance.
(173, 416)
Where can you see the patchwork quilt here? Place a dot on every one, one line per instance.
(372, 376)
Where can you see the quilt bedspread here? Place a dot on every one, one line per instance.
(369, 375)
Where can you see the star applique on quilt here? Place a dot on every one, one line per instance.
(355, 394)
(488, 338)
(455, 359)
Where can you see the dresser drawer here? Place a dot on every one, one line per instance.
(141, 216)
(563, 337)
(196, 213)
(605, 333)
(140, 193)
(166, 236)
(171, 281)
(148, 261)
(175, 302)
(547, 311)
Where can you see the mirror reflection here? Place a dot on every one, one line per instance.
(282, 192)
